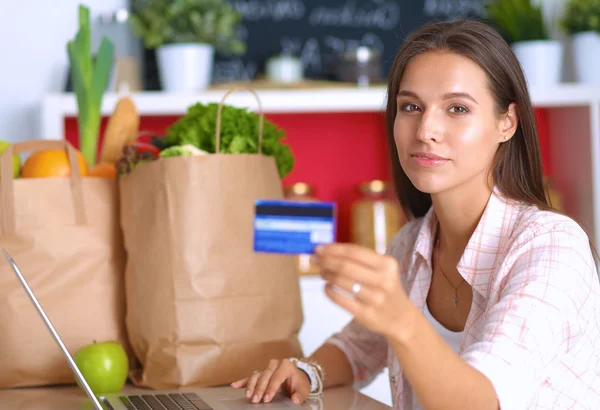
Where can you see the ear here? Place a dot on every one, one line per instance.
(509, 123)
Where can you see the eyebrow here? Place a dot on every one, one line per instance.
(447, 96)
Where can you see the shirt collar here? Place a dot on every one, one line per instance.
(479, 259)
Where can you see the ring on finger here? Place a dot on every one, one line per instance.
(356, 289)
(256, 371)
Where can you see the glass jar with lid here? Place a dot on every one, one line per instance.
(376, 216)
(301, 191)
(553, 195)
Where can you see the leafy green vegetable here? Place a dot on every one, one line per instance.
(178, 150)
(90, 79)
(239, 133)
(518, 20)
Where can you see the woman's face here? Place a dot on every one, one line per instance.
(447, 129)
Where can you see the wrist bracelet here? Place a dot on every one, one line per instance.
(314, 372)
(306, 373)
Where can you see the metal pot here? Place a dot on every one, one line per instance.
(361, 65)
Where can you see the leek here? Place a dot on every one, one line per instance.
(90, 79)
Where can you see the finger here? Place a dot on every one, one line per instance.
(299, 397)
(251, 384)
(300, 390)
(284, 372)
(360, 254)
(240, 383)
(350, 269)
(263, 381)
(349, 304)
(350, 288)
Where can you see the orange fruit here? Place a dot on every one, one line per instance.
(103, 170)
(51, 163)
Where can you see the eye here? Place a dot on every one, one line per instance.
(459, 109)
(408, 107)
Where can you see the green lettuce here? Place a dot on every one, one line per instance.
(239, 133)
(178, 150)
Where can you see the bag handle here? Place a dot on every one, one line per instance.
(260, 117)
(7, 197)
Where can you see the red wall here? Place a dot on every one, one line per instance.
(334, 152)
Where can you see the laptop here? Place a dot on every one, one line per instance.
(215, 398)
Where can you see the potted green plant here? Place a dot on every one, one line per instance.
(186, 34)
(581, 21)
(522, 24)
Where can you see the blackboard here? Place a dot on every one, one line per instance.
(317, 30)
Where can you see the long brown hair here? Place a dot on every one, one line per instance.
(517, 171)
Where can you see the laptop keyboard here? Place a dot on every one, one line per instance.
(175, 401)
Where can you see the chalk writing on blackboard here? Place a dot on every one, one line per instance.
(275, 10)
(454, 8)
(385, 15)
(234, 69)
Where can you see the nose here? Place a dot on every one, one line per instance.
(430, 127)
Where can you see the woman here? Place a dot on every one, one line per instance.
(486, 299)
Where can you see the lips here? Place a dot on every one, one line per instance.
(429, 156)
(428, 160)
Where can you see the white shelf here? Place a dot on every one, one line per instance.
(565, 95)
(335, 99)
(276, 100)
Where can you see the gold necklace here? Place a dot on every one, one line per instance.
(437, 256)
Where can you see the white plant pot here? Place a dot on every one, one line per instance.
(586, 53)
(186, 67)
(542, 61)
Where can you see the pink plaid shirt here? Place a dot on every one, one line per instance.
(534, 325)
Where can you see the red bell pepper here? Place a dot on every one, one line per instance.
(143, 147)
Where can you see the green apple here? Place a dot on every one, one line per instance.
(104, 366)
(16, 158)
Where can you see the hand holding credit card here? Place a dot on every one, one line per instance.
(293, 227)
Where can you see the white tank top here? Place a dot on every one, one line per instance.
(452, 338)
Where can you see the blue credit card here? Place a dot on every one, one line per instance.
(293, 227)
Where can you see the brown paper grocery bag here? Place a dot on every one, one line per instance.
(65, 236)
(202, 308)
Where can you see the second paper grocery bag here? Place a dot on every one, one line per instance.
(202, 308)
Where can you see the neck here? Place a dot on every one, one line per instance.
(458, 212)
